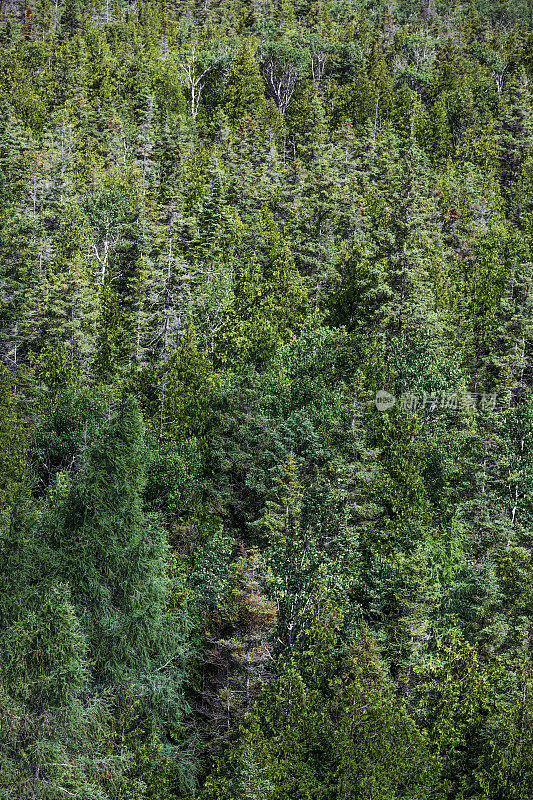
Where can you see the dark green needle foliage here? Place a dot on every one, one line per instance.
(112, 554)
(266, 421)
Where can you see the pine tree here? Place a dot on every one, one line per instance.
(213, 251)
(386, 280)
(12, 440)
(71, 18)
(516, 133)
(113, 336)
(42, 671)
(457, 698)
(269, 304)
(253, 785)
(111, 555)
(245, 90)
(316, 196)
(327, 723)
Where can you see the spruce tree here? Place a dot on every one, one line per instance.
(245, 90)
(112, 556)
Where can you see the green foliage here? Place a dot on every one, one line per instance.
(318, 727)
(112, 556)
(458, 699)
(12, 440)
(245, 88)
(225, 571)
(43, 653)
(269, 304)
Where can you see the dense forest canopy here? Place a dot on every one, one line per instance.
(266, 412)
